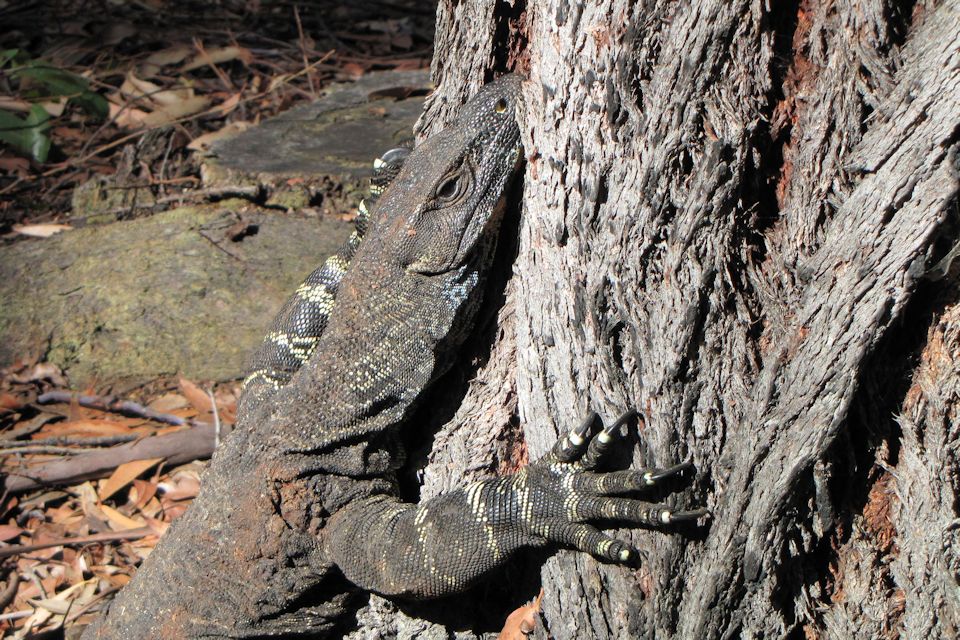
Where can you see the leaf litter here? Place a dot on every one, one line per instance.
(67, 549)
(96, 82)
(83, 81)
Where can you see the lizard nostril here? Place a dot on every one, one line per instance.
(501, 105)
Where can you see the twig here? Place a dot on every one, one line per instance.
(34, 424)
(209, 238)
(216, 419)
(175, 448)
(10, 591)
(94, 602)
(224, 79)
(48, 450)
(303, 49)
(385, 59)
(11, 186)
(110, 536)
(163, 167)
(214, 192)
(75, 441)
(113, 405)
(16, 615)
(150, 183)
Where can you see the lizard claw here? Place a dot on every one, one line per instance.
(602, 444)
(566, 492)
(571, 446)
(655, 476)
(671, 517)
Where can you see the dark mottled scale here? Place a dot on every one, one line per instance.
(303, 318)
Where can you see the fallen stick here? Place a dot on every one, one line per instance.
(113, 405)
(16, 615)
(49, 450)
(10, 591)
(175, 448)
(109, 536)
(66, 441)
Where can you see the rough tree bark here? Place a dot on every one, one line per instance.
(737, 218)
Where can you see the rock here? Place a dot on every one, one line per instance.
(168, 294)
(125, 302)
(334, 135)
(320, 153)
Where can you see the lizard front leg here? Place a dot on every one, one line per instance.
(443, 545)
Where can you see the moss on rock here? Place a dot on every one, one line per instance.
(168, 294)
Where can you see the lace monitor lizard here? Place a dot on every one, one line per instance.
(299, 510)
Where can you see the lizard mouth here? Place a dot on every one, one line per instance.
(490, 203)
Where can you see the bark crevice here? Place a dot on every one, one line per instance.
(703, 240)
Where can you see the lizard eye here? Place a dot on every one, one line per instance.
(450, 189)
(501, 105)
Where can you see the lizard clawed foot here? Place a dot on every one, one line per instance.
(565, 491)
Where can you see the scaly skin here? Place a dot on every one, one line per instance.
(300, 507)
(297, 328)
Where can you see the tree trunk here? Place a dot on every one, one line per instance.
(737, 218)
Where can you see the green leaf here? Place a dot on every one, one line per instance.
(27, 136)
(58, 82)
(93, 103)
(7, 55)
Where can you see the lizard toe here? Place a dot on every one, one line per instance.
(589, 539)
(635, 512)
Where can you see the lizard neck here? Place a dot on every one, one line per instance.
(389, 338)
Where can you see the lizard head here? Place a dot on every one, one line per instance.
(451, 187)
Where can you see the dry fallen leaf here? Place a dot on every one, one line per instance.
(174, 510)
(202, 143)
(120, 522)
(145, 491)
(70, 133)
(226, 107)
(197, 396)
(174, 111)
(41, 371)
(154, 105)
(127, 116)
(135, 87)
(124, 475)
(9, 532)
(168, 402)
(155, 61)
(218, 55)
(58, 607)
(10, 402)
(352, 70)
(182, 486)
(55, 107)
(61, 603)
(40, 615)
(14, 164)
(522, 621)
(9, 103)
(159, 526)
(84, 428)
(40, 230)
(277, 81)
